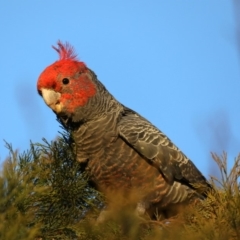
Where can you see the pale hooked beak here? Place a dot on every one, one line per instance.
(52, 99)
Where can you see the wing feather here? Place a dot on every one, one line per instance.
(158, 149)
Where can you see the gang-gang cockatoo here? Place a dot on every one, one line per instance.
(123, 152)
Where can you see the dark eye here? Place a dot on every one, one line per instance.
(65, 81)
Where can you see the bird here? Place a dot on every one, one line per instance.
(124, 153)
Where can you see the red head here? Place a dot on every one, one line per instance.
(66, 84)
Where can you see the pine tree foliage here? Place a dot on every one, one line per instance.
(44, 191)
(45, 194)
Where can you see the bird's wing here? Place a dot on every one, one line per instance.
(158, 149)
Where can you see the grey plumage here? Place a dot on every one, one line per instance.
(124, 151)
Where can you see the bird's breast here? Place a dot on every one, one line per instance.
(121, 168)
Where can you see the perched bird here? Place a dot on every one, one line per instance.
(123, 152)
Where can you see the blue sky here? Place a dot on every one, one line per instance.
(175, 62)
